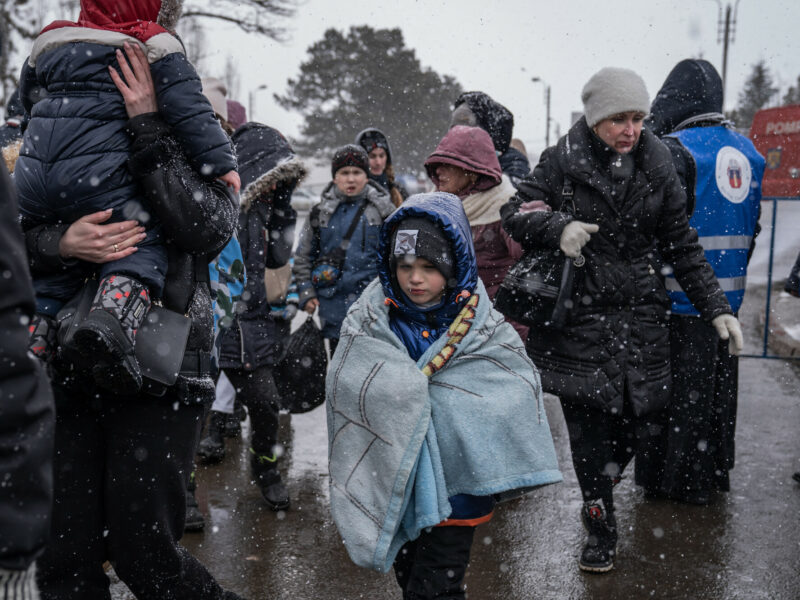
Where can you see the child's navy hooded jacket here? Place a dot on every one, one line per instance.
(76, 147)
(418, 328)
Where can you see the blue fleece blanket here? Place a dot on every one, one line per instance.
(404, 436)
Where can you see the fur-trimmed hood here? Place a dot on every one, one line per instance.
(265, 159)
(170, 14)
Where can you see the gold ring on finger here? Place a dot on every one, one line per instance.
(116, 248)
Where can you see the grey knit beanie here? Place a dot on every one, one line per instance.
(611, 91)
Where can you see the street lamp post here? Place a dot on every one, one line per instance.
(250, 97)
(726, 31)
(547, 103)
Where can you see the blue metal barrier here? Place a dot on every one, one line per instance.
(765, 348)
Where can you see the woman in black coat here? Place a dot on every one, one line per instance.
(610, 363)
(122, 462)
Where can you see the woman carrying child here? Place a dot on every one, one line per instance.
(122, 460)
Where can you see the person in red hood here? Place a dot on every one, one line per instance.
(74, 162)
(465, 164)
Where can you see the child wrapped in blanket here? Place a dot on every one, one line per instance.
(434, 410)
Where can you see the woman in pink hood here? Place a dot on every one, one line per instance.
(465, 164)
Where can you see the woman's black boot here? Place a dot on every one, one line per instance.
(212, 447)
(601, 544)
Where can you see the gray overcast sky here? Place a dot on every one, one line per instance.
(497, 46)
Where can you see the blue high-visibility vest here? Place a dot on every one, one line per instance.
(728, 192)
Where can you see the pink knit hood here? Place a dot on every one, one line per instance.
(470, 148)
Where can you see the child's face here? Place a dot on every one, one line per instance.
(350, 180)
(377, 161)
(420, 280)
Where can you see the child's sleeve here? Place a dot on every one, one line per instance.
(307, 250)
(184, 107)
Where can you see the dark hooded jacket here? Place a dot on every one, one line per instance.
(498, 122)
(266, 235)
(27, 419)
(492, 117)
(616, 343)
(76, 146)
(690, 97)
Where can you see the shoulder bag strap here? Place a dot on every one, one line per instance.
(567, 195)
(353, 224)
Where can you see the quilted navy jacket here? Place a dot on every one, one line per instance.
(75, 151)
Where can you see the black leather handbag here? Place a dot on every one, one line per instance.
(537, 290)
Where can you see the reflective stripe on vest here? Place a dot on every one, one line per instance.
(726, 242)
(727, 195)
(728, 284)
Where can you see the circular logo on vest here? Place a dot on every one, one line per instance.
(733, 174)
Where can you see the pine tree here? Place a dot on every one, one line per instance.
(792, 95)
(368, 78)
(758, 90)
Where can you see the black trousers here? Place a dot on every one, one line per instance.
(121, 467)
(434, 565)
(257, 390)
(603, 444)
(702, 415)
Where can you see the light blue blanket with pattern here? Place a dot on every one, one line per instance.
(401, 442)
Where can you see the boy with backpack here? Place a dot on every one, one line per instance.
(336, 256)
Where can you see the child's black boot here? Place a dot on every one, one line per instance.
(601, 544)
(268, 479)
(233, 421)
(212, 446)
(43, 341)
(107, 334)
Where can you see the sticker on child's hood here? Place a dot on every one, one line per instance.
(406, 241)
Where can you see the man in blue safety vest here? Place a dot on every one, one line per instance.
(721, 172)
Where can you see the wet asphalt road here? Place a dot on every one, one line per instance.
(745, 546)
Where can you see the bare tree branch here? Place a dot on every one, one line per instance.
(251, 16)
